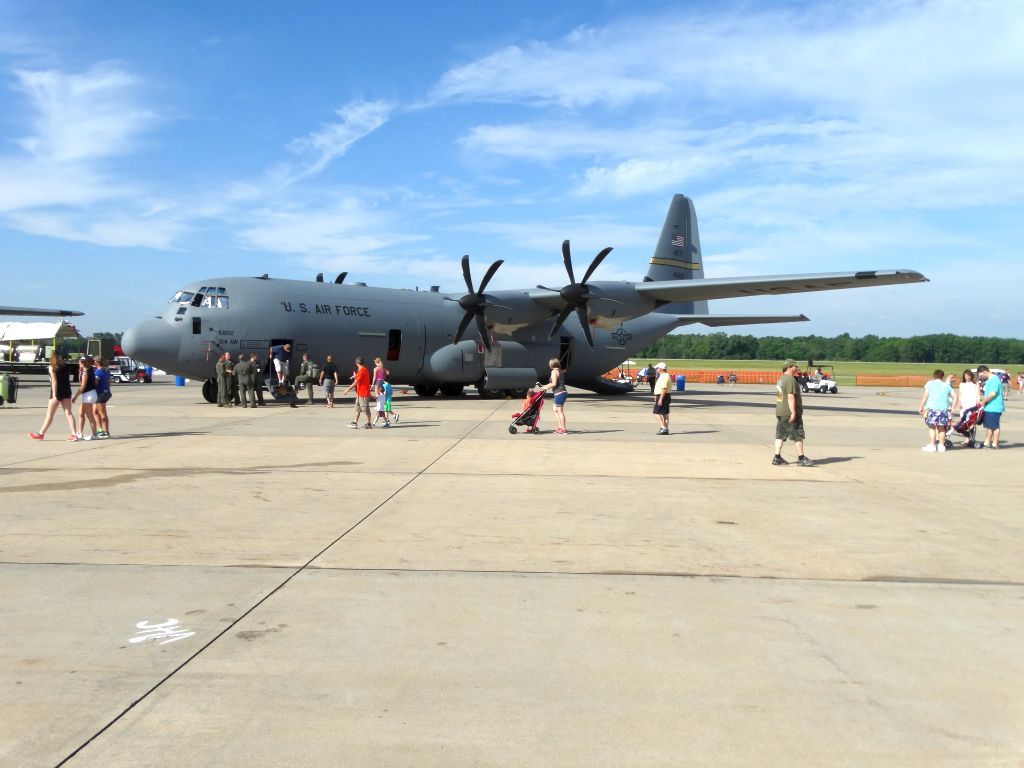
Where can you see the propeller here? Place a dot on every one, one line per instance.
(576, 295)
(319, 277)
(341, 278)
(475, 302)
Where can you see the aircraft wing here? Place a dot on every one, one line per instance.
(716, 321)
(38, 312)
(731, 287)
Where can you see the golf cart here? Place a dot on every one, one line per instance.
(820, 379)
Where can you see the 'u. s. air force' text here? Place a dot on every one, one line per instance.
(326, 309)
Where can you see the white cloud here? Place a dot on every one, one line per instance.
(882, 96)
(345, 230)
(358, 120)
(82, 116)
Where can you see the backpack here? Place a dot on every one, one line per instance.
(314, 370)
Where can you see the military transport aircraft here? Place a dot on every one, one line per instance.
(590, 325)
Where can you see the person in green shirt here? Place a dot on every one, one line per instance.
(789, 416)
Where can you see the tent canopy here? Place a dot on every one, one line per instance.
(54, 329)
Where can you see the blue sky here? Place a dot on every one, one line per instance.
(146, 145)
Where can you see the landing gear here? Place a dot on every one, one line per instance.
(210, 390)
(451, 390)
(425, 390)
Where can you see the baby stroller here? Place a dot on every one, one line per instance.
(530, 415)
(968, 425)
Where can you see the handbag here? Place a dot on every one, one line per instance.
(104, 396)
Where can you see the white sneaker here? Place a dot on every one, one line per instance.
(930, 448)
(941, 448)
(78, 435)
(88, 437)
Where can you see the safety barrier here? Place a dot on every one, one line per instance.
(711, 376)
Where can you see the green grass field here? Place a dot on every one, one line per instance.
(846, 372)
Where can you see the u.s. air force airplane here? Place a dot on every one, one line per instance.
(590, 326)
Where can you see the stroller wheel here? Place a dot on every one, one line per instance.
(512, 430)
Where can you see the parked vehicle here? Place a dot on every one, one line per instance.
(821, 380)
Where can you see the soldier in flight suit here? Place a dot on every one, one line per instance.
(244, 376)
(309, 374)
(224, 371)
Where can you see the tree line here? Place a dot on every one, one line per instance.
(934, 348)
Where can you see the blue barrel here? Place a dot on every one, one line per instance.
(680, 383)
(149, 372)
(179, 381)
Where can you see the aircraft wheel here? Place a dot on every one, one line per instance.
(512, 430)
(210, 391)
(517, 392)
(425, 390)
(451, 390)
(490, 394)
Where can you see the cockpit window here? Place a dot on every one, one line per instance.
(210, 297)
(181, 297)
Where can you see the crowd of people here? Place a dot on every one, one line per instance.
(977, 393)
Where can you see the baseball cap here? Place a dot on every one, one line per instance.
(790, 362)
(661, 365)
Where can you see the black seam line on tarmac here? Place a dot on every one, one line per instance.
(933, 580)
(295, 572)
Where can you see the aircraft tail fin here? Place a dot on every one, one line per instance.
(677, 255)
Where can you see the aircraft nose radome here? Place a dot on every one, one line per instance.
(153, 342)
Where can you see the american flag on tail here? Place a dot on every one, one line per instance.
(679, 241)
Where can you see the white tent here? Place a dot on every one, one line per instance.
(39, 332)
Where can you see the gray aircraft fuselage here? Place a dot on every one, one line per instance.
(411, 330)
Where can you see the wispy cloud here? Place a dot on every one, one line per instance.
(358, 120)
(82, 116)
(839, 94)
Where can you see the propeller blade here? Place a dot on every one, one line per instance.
(560, 319)
(567, 258)
(466, 275)
(545, 288)
(481, 326)
(581, 313)
(490, 273)
(466, 320)
(319, 277)
(341, 278)
(595, 263)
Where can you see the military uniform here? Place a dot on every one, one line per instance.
(308, 375)
(258, 379)
(224, 371)
(246, 382)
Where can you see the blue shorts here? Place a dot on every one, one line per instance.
(560, 398)
(990, 419)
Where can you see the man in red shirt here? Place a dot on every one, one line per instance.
(361, 382)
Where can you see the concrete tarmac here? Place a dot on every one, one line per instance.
(266, 587)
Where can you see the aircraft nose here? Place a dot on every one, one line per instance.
(153, 342)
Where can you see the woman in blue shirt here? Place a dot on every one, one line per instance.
(935, 406)
(103, 394)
